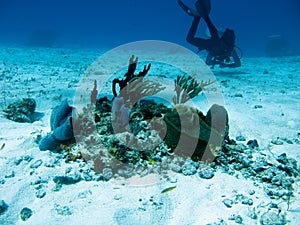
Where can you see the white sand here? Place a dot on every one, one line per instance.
(51, 75)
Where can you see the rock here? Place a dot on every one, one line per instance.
(228, 202)
(272, 218)
(188, 169)
(18, 160)
(21, 111)
(36, 164)
(52, 162)
(67, 180)
(175, 168)
(11, 174)
(27, 158)
(206, 173)
(251, 192)
(40, 193)
(277, 141)
(238, 95)
(259, 165)
(240, 138)
(39, 181)
(237, 218)
(252, 213)
(258, 106)
(282, 158)
(3, 206)
(87, 175)
(25, 214)
(107, 174)
(253, 144)
(63, 210)
(247, 201)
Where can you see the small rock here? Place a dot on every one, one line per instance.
(52, 162)
(87, 175)
(258, 106)
(252, 213)
(251, 192)
(107, 174)
(67, 180)
(117, 197)
(282, 158)
(25, 214)
(40, 193)
(228, 202)
(247, 201)
(27, 158)
(277, 141)
(36, 164)
(288, 141)
(84, 194)
(272, 218)
(39, 181)
(238, 95)
(3, 206)
(175, 168)
(240, 138)
(188, 169)
(238, 219)
(63, 210)
(11, 174)
(206, 173)
(17, 161)
(253, 144)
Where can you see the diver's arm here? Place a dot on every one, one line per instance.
(236, 61)
(209, 59)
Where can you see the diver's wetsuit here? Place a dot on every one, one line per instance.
(218, 52)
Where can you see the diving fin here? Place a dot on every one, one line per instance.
(188, 10)
(203, 7)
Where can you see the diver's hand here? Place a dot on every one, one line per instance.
(222, 64)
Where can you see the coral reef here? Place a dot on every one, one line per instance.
(21, 111)
(132, 134)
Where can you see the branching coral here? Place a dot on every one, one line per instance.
(132, 89)
(187, 88)
(139, 88)
(129, 76)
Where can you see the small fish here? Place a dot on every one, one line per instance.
(168, 189)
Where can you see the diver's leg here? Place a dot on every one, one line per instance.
(212, 29)
(198, 42)
(188, 10)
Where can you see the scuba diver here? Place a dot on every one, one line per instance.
(220, 49)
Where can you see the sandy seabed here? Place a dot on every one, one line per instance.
(262, 99)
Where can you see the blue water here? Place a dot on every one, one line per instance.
(107, 23)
